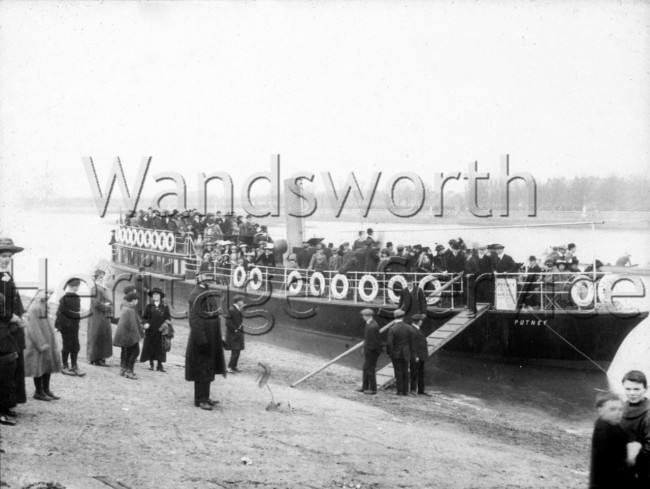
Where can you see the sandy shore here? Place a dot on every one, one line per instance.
(108, 431)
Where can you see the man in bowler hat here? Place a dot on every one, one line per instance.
(399, 347)
(204, 357)
(419, 356)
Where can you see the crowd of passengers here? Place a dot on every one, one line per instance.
(228, 240)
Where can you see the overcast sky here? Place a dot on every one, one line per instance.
(563, 87)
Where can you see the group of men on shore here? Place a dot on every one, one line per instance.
(407, 349)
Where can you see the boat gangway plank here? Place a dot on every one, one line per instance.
(436, 340)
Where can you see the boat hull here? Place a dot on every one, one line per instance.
(571, 339)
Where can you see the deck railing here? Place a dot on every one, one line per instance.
(170, 253)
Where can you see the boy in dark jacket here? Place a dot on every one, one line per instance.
(636, 423)
(68, 316)
(609, 468)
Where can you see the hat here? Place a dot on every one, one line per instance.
(398, 313)
(369, 231)
(98, 272)
(131, 296)
(417, 317)
(129, 288)
(532, 257)
(7, 244)
(400, 247)
(439, 247)
(367, 312)
(156, 290)
(345, 243)
(268, 246)
(497, 246)
(73, 282)
(479, 246)
(549, 262)
(238, 298)
(314, 241)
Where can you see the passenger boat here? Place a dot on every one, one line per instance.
(577, 321)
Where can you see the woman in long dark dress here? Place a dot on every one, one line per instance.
(13, 319)
(155, 314)
(99, 346)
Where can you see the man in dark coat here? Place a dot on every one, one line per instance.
(204, 357)
(480, 265)
(68, 316)
(502, 263)
(371, 352)
(454, 259)
(235, 332)
(419, 356)
(529, 295)
(399, 347)
(266, 259)
(412, 299)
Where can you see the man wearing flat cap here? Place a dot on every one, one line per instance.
(68, 316)
(235, 332)
(399, 347)
(371, 352)
(419, 356)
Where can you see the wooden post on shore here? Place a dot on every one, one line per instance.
(334, 360)
(360, 344)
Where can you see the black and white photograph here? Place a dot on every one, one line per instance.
(324, 244)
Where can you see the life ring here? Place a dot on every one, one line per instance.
(155, 240)
(127, 236)
(118, 236)
(393, 260)
(294, 283)
(604, 289)
(255, 278)
(334, 289)
(132, 236)
(582, 291)
(320, 278)
(239, 276)
(139, 238)
(394, 298)
(146, 240)
(361, 288)
(122, 234)
(430, 279)
(170, 242)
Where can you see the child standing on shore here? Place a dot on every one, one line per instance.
(609, 450)
(68, 316)
(128, 335)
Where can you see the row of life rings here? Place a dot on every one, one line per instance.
(340, 285)
(255, 277)
(146, 238)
